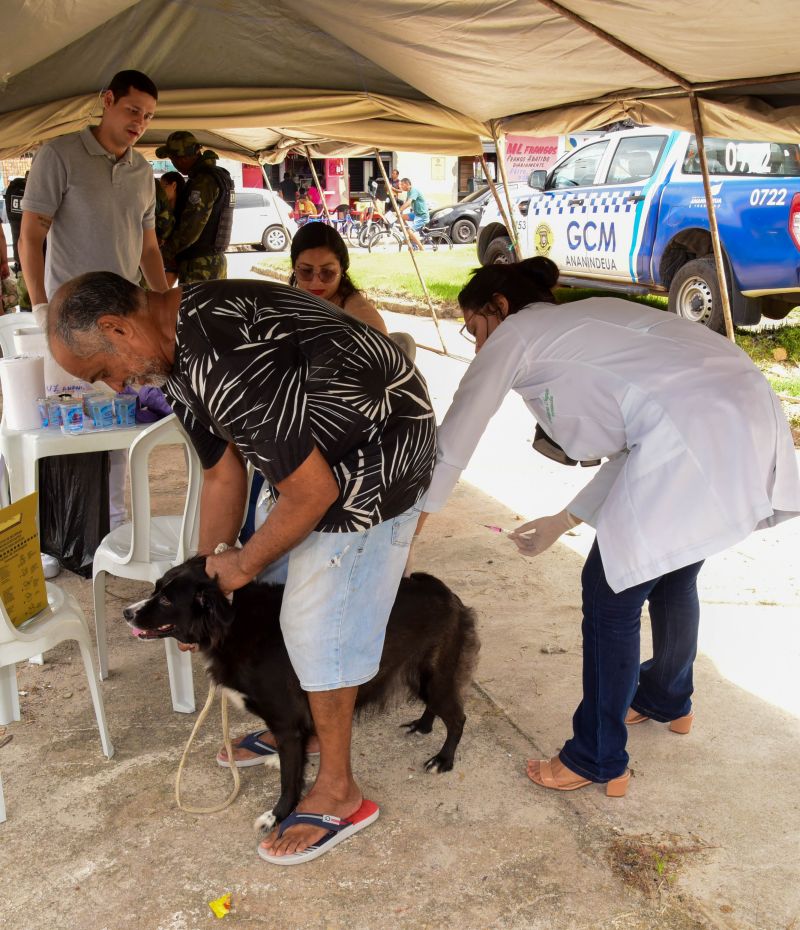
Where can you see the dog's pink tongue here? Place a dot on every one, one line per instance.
(135, 631)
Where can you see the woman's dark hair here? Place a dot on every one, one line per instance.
(526, 282)
(322, 236)
(174, 177)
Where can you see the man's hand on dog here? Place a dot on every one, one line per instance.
(226, 569)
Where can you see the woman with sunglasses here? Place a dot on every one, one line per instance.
(698, 456)
(320, 263)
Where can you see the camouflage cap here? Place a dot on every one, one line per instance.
(178, 143)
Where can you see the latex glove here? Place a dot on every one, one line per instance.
(410, 560)
(534, 537)
(40, 315)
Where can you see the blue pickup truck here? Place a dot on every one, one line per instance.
(627, 212)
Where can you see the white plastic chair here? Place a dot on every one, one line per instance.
(9, 324)
(147, 547)
(61, 619)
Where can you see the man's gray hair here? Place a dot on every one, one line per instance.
(81, 302)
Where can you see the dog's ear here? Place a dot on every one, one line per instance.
(216, 611)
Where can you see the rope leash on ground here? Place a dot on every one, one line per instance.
(226, 738)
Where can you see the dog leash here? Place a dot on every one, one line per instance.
(226, 738)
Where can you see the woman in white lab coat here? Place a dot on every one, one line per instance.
(698, 456)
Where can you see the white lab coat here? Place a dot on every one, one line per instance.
(699, 452)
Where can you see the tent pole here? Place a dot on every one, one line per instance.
(410, 249)
(319, 187)
(501, 161)
(712, 218)
(280, 217)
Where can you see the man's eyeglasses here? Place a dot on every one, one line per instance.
(467, 334)
(307, 273)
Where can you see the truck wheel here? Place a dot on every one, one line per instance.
(274, 239)
(694, 294)
(462, 231)
(499, 252)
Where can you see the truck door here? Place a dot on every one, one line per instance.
(567, 190)
(610, 237)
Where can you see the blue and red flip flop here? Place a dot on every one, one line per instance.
(265, 754)
(339, 829)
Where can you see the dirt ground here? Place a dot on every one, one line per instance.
(706, 838)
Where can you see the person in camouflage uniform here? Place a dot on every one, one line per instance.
(195, 250)
(165, 217)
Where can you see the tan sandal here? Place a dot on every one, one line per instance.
(681, 725)
(567, 780)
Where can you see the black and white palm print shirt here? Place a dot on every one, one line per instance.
(277, 372)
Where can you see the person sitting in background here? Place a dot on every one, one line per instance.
(315, 197)
(305, 207)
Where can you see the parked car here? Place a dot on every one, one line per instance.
(627, 212)
(257, 219)
(461, 220)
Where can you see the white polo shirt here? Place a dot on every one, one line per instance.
(99, 204)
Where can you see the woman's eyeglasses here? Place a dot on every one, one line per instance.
(486, 311)
(307, 273)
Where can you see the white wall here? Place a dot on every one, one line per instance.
(435, 175)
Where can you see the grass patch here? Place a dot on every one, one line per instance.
(650, 865)
(761, 346)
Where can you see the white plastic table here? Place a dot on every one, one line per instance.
(22, 450)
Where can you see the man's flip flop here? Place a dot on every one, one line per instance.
(338, 831)
(265, 753)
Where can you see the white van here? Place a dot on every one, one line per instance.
(257, 219)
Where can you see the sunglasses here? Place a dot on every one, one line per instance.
(307, 273)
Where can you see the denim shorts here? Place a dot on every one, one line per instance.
(340, 589)
(418, 222)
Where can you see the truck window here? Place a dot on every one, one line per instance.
(578, 170)
(745, 159)
(635, 159)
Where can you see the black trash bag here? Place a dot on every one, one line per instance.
(73, 508)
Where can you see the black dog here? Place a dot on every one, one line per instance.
(430, 650)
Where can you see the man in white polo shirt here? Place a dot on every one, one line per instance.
(93, 199)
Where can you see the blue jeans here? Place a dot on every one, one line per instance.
(613, 680)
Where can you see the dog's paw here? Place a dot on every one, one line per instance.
(416, 726)
(438, 764)
(265, 822)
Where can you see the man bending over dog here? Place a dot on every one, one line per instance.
(340, 424)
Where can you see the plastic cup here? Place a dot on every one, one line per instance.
(125, 408)
(72, 415)
(101, 410)
(54, 411)
(44, 413)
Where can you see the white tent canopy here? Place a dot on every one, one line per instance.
(402, 74)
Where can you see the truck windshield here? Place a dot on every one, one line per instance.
(745, 159)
